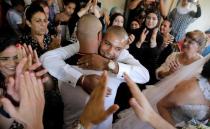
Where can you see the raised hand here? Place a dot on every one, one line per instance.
(131, 38)
(94, 112)
(174, 66)
(56, 41)
(139, 103)
(142, 37)
(32, 62)
(30, 110)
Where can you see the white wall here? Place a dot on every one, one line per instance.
(203, 23)
(108, 4)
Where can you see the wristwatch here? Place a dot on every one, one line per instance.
(111, 65)
(77, 125)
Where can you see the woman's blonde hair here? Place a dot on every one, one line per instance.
(199, 37)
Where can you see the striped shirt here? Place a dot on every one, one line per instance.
(180, 22)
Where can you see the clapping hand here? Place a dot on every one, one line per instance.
(174, 66)
(30, 110)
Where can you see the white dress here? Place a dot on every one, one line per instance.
(128, 119)
(185, 113)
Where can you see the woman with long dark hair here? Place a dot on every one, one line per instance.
(147, 45)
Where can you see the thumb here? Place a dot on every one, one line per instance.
(135, 106)
(8, 107)
(111, 110)
(10, 85)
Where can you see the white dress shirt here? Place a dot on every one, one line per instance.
(54, 62)
(74, 97)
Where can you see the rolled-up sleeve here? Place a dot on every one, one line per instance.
(54, 62)
(128, 64)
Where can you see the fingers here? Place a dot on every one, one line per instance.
(174, 65)
(26, 49)
(45, 79)
(145, 31)
(37, 87)
(8, 107)
(11, 86)
(84, 66)
(19, 51)
(131, 39)
(41, 89)
(136, 93)
(103, 82)
(101, 90)
(111, 110)
(23, 92)
(84, 59)
(36, 57)
(136, 107)
(34, 85)
(20, 66)
(35, 66)
(30, 49)
(41, 73)
(24, 54)
(28, 84)
(29, 61)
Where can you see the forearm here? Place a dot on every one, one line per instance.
(163, 9)
(133, 4)
(159, 123)
(54, 62)
(36, 126)
(162, 74)
(198, 13)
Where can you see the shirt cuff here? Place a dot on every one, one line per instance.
(123, 68)
(73, 77)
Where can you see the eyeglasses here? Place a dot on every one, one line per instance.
(190, 40)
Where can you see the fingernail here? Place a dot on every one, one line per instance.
(18, 45)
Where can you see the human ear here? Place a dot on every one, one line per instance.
(28, 23)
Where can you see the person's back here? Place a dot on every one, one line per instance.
(189, 100)
(194, 111)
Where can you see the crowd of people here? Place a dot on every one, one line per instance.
(70, 64)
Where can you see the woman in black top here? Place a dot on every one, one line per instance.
(38, 37)
(147, 45)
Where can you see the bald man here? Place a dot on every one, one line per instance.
(111, 53)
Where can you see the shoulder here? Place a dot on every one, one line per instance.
(187, 85)
(182, 92)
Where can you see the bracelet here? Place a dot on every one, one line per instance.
(77, 125)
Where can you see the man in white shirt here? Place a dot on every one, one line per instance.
(112, 52)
